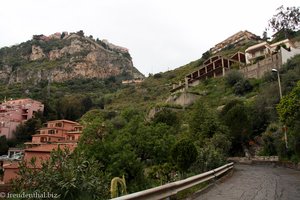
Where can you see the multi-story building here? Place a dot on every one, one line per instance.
(57, 134)
(57, 131)
(265, 49)
(15, 112)
(240, 37)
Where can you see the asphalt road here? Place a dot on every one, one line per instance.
(257, 182)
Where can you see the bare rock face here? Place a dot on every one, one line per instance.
(72, 57)
(37, 53)
(54, 54)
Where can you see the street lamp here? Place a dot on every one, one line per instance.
(279, 84)
(280, 93)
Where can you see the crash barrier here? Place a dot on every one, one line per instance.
(173, 188)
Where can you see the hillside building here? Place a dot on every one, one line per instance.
(15, 112)
(240, 37)
(256, 60)
(57, 131)
(57, 134)
(215, 66)
(265, 49)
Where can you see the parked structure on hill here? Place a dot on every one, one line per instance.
(15, 112)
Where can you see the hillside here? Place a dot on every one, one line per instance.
(61, 57)
(232, 115)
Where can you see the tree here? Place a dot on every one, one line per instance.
(206, 55)
(115, 148)
(242, 87)
(153, 142)
(62, 35)
(71, 176)
(289, 106)
(3, 145)
(72, 107)
(233, 77)
(166, 116)
(80, 33)
(204, 123)
(235, 116)
(286, 19)
(184, 154)
(25, 130)
(265, 35)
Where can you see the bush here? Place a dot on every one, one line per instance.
(159, 75)
(72, 176)
(168, 117)
(184, 154)
(208, 158)
(233, 76)
(242, 87)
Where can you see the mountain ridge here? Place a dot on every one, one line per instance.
(62, 56)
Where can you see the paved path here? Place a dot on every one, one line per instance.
(257, 182)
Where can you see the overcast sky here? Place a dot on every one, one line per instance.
(160, 34)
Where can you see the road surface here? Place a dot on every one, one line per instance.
(257, 182)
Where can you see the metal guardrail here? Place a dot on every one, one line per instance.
(173, 188)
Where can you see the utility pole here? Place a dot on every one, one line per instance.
(280, 93)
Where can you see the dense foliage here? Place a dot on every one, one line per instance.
(232, 116)
(69, 176)
(178, 142)
(286, 19)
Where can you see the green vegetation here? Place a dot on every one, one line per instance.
(3, 145)
(286, 20)
(184, 154)
(231, 116)
(69, 176)
(151, 152)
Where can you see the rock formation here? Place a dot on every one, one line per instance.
(59, 59)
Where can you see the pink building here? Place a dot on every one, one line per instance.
(40, 153)
(57, 131)
(15, 112)
(63, 134)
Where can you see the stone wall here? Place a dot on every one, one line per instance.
(260, 68)
(274, 160)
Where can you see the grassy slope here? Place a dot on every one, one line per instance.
(155, 89)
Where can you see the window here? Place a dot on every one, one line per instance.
(58, 124)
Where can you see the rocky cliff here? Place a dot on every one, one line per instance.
(61, 57)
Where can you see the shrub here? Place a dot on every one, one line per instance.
(184, 154)
(71, 176)
(233, 76)
(166, 116)
(159, 75)
(208, 158)
(242, 87)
